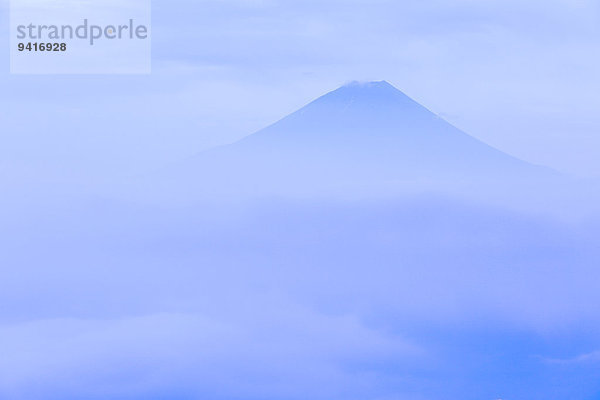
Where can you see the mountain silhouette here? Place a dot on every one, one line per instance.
(360, 134)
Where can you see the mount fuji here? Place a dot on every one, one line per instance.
(360, 135)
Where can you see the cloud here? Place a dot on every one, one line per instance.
(592, 357)
(264, 354)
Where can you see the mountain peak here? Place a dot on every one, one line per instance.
(370, 85)
(370, 88)
(380, 99)
(360, 133)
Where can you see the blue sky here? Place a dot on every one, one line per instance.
(521, 76)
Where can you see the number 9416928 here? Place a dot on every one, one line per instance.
(42, 46)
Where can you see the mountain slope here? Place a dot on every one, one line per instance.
(360, 134)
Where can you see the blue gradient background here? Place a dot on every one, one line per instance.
(111, 293)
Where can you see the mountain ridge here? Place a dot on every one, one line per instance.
(359, 134)
(368, 115)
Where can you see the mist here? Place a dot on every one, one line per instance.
(361, 248)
